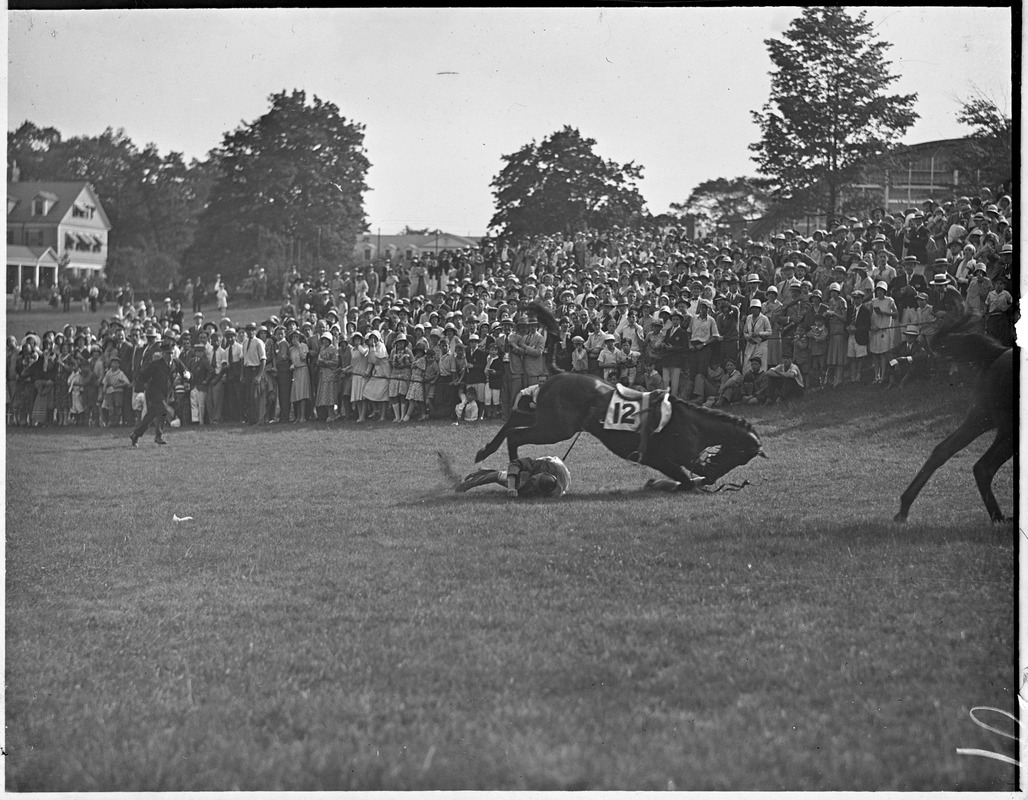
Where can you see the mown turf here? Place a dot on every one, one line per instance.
(334, 617)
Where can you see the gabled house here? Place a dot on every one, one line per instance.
(54, 229)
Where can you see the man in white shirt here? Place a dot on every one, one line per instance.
(254, 360)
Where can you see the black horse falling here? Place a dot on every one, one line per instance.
(697, 441)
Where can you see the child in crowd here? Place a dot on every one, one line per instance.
(818, 336)
(579, 356)
(610, 359)
(467, 406)
(494, 382)
(114, 382)
(416, 389)
(654, 381)
(629, 366)
(431, 380)
(81, 385)
(801, 348)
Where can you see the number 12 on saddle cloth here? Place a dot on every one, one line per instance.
(627, 410)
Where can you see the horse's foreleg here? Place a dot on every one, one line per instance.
(988, 465)
(974, 425)
(676, 472)
(517, 419)
(549, 431)
(492, 445)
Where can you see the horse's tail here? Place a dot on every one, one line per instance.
(974, 348)
(549, 322)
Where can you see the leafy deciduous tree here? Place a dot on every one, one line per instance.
(560, 184)
(987, 157)
(721, 200)
(828, 110)
(293, 178)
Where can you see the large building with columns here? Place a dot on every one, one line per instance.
(54, 229)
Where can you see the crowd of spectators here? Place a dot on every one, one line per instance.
(719, 321)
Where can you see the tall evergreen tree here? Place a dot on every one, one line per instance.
(828, 109)
(560, 184)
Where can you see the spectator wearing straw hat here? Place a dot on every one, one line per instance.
(945, 298)
(905, 301)
(858, 326)
(756, 331)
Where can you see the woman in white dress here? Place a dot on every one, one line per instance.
(376, 389)
(358, 366)
(884, 322)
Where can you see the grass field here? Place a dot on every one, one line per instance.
(334, 617)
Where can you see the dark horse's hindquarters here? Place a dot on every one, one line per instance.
(696, 441)
(992, 407)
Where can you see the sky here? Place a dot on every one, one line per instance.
(444, 94)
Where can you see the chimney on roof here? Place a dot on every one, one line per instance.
(15, 172)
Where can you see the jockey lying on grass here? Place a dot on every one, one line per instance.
(526, 477)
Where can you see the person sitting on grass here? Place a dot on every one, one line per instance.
(730, 390)
(753, 382)
(525, 477)
(707, 386)
(784, 381)
(908, 358)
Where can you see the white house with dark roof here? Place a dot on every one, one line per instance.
(54, 228)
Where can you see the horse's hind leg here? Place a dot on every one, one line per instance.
(985, 469)
(974, 425)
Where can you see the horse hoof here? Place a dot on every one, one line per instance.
(481, 455)
(900, 517)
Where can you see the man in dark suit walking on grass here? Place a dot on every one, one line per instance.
(159, 379)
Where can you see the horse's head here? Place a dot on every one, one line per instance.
(724, 441)
(720, 459)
